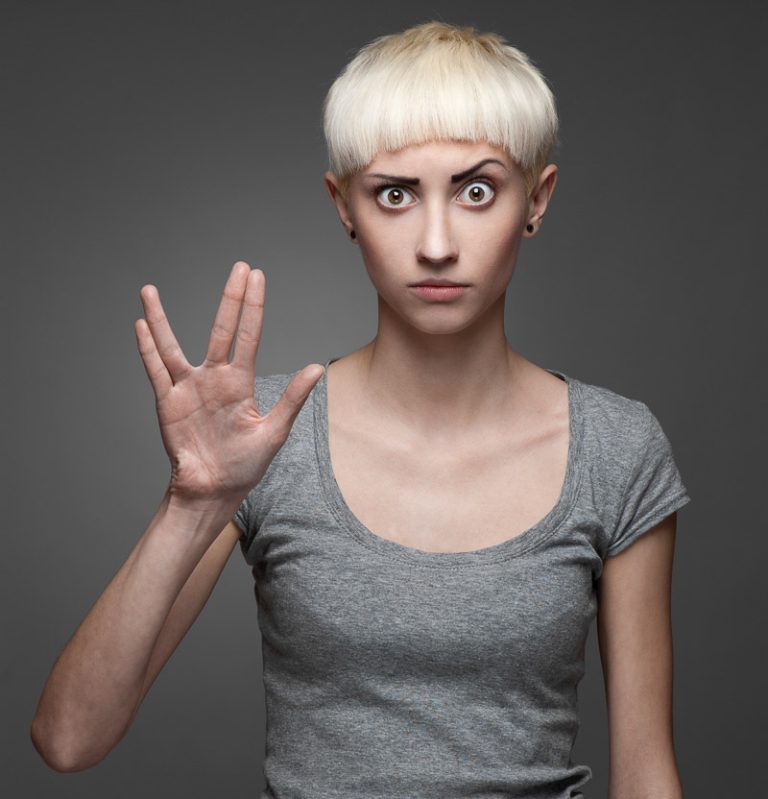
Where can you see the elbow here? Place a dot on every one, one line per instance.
(55, 757)
(59, 752)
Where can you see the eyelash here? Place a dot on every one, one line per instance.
(477, 179)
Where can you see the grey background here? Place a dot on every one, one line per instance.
(160, 142)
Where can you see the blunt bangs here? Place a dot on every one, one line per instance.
(436, 81)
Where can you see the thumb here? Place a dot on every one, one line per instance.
(283, 414)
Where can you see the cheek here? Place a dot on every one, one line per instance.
(378, 259)
(384, 248)
(496, 242)
(508, 243)
(503, 226)
(384, 230)
(495, 254)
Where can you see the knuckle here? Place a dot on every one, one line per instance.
(222, 331)
(246, 336)
(171, 351)
(157, 319)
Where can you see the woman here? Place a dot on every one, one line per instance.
(433, 519)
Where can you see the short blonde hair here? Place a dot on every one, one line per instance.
(436, 81)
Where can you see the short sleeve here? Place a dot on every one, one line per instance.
(241, 517)
(246, 518)
(654, 488)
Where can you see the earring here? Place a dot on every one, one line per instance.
(529, 227)
(352, 234)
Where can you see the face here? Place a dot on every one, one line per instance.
(443, 210)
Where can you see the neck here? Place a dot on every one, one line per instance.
(436, 383)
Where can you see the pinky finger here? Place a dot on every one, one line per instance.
(153, 364)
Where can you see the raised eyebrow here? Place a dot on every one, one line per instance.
(395, 178)
(454, 178)
(467, 172)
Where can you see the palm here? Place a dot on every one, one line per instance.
(218, 442)
(209, 426)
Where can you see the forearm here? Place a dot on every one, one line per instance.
(95, 687)
(658, 780)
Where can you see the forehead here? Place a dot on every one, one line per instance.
(448, 156)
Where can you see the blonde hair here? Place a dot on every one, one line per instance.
(436, 81)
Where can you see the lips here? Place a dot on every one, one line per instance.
(437, 281)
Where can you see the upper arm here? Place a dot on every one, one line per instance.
(635, 641)
(190, 601)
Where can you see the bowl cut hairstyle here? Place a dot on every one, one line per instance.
(437, 81)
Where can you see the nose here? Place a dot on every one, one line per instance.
(436, 241)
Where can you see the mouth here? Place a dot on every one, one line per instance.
(439, 292)
(437, 282)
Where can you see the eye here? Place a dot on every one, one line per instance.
(479, 192)
(395, 196)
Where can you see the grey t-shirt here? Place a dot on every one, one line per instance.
(393, 673)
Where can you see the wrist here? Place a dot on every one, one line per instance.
(198, 515)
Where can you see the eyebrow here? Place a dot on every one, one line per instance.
(454, 178)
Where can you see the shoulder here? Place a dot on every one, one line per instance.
(269, 388)
(632, 475)
(615, 442)
(614, 423)
(287, 465)
(267, 391)
(612, 407)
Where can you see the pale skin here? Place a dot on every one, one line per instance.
(436, 428)
(219, 446)
(437, 355)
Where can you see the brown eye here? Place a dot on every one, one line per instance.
(478, 192)
(392, 196)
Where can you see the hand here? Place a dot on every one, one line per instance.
(218, 442)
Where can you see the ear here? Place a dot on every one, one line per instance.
(335, 192)
(537, 202)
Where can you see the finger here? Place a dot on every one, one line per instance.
(153, 363)
(249, 330)
(167, 346)
(223, 330)
(287, 408)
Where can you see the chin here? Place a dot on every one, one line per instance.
(439, 324)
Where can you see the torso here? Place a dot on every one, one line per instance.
(451, 498)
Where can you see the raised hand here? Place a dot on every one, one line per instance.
(218, 442)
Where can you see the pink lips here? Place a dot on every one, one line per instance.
(437, 281)
(437, 292)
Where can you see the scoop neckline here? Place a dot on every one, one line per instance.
(512, 547)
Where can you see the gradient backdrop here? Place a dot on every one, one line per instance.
(162, 141)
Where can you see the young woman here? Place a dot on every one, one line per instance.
(433, 520)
